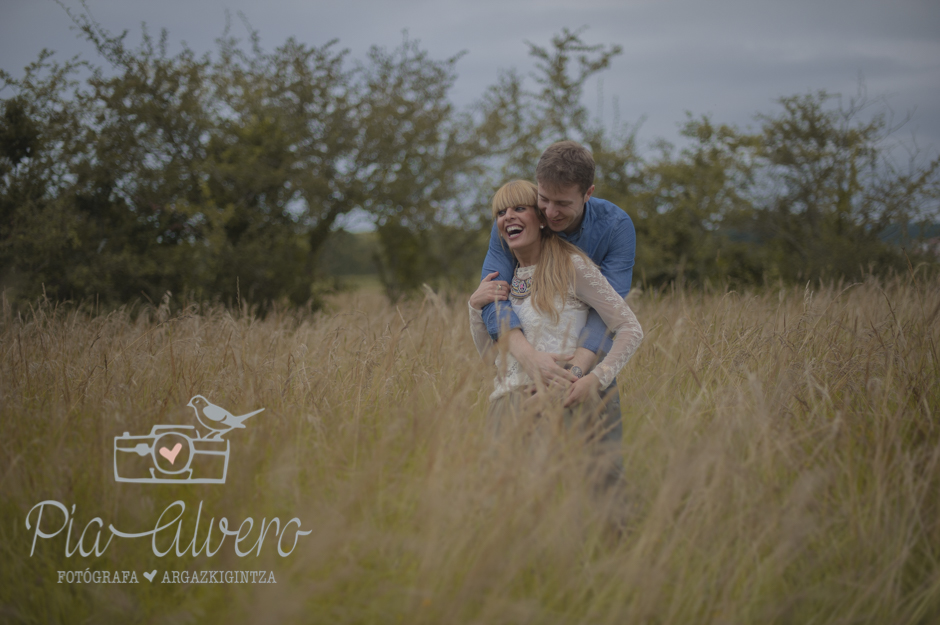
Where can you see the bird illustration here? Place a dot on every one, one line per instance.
(216, 418)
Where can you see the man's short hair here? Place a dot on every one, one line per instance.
(566, 164)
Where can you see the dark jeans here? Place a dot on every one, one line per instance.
(598, 421)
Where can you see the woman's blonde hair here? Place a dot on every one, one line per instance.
(554, 273)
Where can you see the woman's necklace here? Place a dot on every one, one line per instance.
(521, 287)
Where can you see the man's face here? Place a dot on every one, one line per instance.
(563, 206)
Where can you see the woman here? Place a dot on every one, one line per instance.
(553, 288)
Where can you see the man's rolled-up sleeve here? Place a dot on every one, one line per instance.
(499, 315)
(617, 267)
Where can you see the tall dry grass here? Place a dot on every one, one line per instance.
(781, 453)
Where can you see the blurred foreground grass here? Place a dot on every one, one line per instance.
(781, 452)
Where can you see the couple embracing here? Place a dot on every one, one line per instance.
(559, 265)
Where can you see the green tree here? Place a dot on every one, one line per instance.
(830, 188)
(517, 124)
(688, 206)
(44, 222)
(419, 159)
(209, 176)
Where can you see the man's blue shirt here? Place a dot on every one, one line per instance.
(606, 235)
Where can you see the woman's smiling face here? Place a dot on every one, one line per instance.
(519, 226)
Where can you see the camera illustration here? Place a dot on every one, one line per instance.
(170, 454)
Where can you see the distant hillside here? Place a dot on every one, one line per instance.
(895, 235)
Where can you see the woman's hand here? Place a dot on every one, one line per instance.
(587, 387)
(489, 291)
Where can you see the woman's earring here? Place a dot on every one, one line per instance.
(542, 227)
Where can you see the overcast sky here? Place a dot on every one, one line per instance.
(726, 58)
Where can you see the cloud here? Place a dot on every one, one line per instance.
(730, 58)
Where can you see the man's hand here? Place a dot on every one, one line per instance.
(490, 290)
(587, 387)
(542, 367)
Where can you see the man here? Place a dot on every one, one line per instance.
(565, 175)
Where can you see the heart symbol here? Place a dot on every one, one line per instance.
(171, 455)
(150, 575)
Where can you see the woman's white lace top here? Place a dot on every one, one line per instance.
(590, 290)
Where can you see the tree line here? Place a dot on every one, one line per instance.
(223, 176)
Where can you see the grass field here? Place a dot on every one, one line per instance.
(781, 452)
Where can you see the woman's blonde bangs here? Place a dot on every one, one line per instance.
(515, 193)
